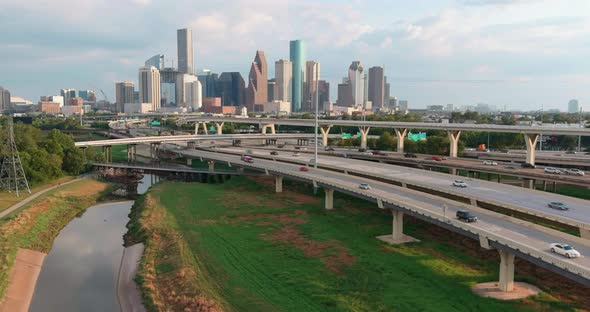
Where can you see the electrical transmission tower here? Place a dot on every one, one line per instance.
(12, 174)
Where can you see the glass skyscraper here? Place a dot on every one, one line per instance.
(297, 57)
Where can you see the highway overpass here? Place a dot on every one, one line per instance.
(531, 133)
(511, 237)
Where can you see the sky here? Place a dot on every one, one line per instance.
(515, 54)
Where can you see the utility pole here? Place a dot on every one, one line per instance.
(12, 174)
(317, 97)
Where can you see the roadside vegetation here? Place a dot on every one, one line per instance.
(36, 225)
(241, 247)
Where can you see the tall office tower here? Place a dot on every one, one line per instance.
(85, 94)
(257, 92)
(207, 80)
(4, 99)
(185, 50)
(345, 93)
(357, 82)
(376, 87)
(403, 106)
(386, 92)
(230, 87)
(324, 94)
(393, 106)
(124, 93)
(573, 107)
(284, 80)
(91, 96)
(149, 86)
(312, 75)
(170, 87)
(192, 93)
(68, 94)
(297, 57)
(272, 87)
(157, 61)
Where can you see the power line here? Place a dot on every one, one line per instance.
(12, 174)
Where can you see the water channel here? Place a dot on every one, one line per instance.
(80, 272)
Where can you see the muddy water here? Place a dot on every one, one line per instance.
(80, 272)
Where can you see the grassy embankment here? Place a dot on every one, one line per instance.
(37, 224)
(241, 247)
(9, 199)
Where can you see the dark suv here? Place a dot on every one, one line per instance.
(410, 155)
(466, 216)
(527, 165)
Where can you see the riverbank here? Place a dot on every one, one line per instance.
(8, 200)
(35, 226)
(240, 246)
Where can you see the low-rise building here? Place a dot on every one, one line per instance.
(137, 108)
(50, 108)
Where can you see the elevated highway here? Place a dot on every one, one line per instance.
(479, 192)
(511, 237)
(531, 133)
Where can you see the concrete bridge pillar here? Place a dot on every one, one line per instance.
(197, 127)
(454, 171)
(269, 126)
(401, 136)
(278, 184)
(190, 145)
(205, 127)
(189, 161)
(397, 233)
(219, 127)
(364, 134)
(329, 202)
(131, 152)
(454, 138)
(585, 233)
(506, 282)
(529, 183)
(531, 142)
(325, 132)
(108, 153)
(211, 166)
(154, 147)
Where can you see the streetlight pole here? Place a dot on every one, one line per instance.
(317, 90)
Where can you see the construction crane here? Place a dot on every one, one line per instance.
(106, 98)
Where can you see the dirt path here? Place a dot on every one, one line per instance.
(34, 196)
(22, 281)
(127, 291)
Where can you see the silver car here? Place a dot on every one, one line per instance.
(558, 205)
(364, 186)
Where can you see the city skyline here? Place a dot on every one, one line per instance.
(518, 54)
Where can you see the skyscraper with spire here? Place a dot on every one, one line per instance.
(257, 91)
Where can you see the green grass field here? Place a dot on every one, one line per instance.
(260, 251)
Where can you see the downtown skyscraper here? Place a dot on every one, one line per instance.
(124, 92)
(356, 77)
(185, 50)
(312, 76)
(283, 80)
(257, 91)
(297, 57)
(377, 87)
(4, 99)
(149, 87)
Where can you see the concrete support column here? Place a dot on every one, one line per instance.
(189, 161)
(401, 136)
(397, 232)
(108, 150)
(585, 233)
(329, 202)
(205, 127)
(454, 139)
(454, 171)
(219, 127)
(544, 185)
(197, 128)
(364, 134)
(529, 183)
(211, 166)
(190, 145)
(278, 184)
(271, 127)
(506, 282)
(325, 132)
(531, 142)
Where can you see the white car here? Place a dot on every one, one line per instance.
(565, 250)
(295, 154)
(574, 171)
(552, 170)
(364, 186)
(459, 183)
(367, 153)
(490, 163)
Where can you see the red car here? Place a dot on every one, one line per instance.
(377, 153)
(436, 158)
(304, 169)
